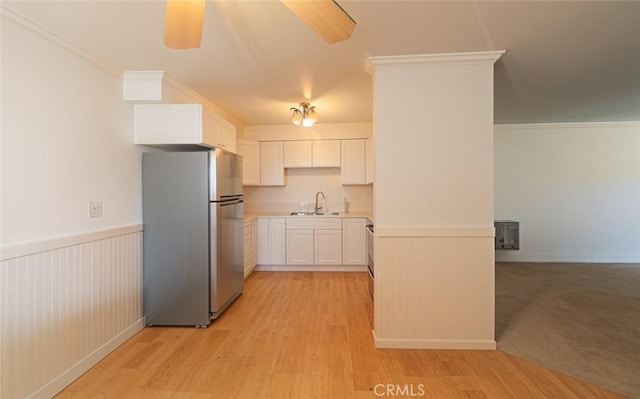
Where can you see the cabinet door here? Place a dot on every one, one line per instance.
(250, 151)
(326, 153)
(353, 162)
(227, 136)
(327, 246)
(277, 246)
(254, 243)
(247, 255)
(369, 161)
(354, 241)
(271, 163)
(264, 241)
(297, 154)
(299, 247)
(171, 124)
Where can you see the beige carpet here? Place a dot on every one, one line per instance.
(580, 319)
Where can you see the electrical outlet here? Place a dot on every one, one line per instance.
(95, 209)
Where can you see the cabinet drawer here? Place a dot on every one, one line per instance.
(314, 223)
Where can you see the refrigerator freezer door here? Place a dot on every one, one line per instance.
(227, 254)
(225, 171)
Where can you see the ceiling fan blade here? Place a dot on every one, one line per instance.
(183, 24)
(326, 17)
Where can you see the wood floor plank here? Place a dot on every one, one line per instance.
(308, 335)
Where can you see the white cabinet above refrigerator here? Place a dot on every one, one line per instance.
(182, 124)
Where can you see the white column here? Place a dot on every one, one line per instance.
(433, 200)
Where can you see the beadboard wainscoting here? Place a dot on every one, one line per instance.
(66, 306)
(434, 287)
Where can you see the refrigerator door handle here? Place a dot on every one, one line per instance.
(232, 202)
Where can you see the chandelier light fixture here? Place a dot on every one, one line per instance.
(306, 116)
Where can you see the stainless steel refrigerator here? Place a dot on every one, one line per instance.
(192, 209)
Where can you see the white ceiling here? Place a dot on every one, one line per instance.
(566, 61)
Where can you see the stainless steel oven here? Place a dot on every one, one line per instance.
(370, 257)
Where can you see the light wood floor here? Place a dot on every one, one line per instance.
(308, 335)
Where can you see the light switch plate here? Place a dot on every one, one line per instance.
(95, 209)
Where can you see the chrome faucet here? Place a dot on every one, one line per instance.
(324, 197)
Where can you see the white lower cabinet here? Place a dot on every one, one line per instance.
(248, 249)
(277, 235)
(299, 247)
(262, 257)
(314, 241)
(254, 243)
(304, 241)
(327, 247)
(354, 241)
(271, 241)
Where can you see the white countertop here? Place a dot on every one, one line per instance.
(250, 216)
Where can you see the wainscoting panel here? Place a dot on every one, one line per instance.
(435, 292)
(64, 308)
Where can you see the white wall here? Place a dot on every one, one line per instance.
(70, 286)
(66, 141)
(574, 188)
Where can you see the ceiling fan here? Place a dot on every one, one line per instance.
(184, 20)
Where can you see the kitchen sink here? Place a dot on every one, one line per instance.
(315, 213)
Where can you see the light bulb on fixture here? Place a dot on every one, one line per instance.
(306, 117)
(296, 118)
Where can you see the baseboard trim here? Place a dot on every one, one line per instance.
(66, 378)
(311, 268)
(433, 344)
(551, 258)
(50, 244)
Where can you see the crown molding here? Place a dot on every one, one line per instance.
(13, 15)
(405, 61)
(567, 125)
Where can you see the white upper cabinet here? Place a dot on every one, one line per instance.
(312, 154)
(353, 165)
(226, 136)
(171, 124)
(271, 163)
(250, 151)
(297, 154)
(326, 153)
(369, 161)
